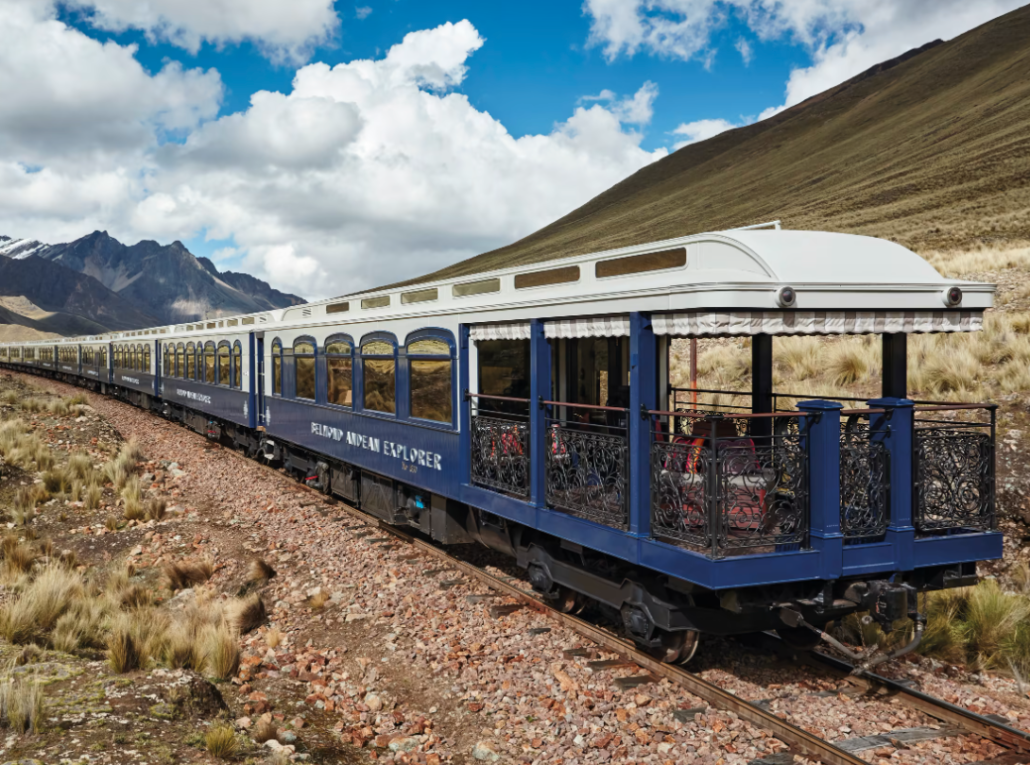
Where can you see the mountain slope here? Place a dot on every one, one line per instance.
(167, 282)
(71, 303)
(931, 150)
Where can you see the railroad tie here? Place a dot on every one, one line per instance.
(498, 611)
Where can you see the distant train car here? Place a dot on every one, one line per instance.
(533, 410)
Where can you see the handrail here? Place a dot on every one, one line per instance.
(712, 390)
(850, 412)
(496, 398)
(754, 415)
(954, 407)
(583, 406)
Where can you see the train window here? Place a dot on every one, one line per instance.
(277, 368)
(224, 365)
(638, 264)
(429, 372)
(419, 296)
(146, 359)
(483, 287)
(340, 367)
(379, 367)
(545, 278)
(166, 368)
(137, 359)
(232, 323)
(103, 356)
(338, 307)
(237, 365)
(191, 362)
(503, 367)
(180, 360)
(376, 302)
(209, 363)
(304, 368)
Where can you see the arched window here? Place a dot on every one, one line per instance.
(209, 363)
(118, 357)
(237, 366)
(180, 360)
(166, 367)
(277, 368)
(379, 369)
(146, 358)
(339, 363)
(224, 364)
(304, 366)
(103, 357)
(191, 362)
(430, 362)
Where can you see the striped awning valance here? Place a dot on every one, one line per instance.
(513, 331)
(597, 326)
(711, 323)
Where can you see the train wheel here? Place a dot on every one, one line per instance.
(799, 638)
(677, 647)
(567, 601)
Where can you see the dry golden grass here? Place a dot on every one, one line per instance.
(9, 398)
(259, 571)
(274, 637)
(125, 650)
(32, 617)
(93, 496)
(221, 741)
(21, 704)
(221, 651)
(247, 614)
(186, 574)
(318, 600)
(80, 466)
(155, 509)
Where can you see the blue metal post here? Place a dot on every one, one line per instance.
(403, 384)
(643, 394)
(895, 429)
(539, 390)
(464, 407)
(822, 431)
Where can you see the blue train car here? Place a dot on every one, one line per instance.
(533, 410)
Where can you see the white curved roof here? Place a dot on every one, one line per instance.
(820, 256)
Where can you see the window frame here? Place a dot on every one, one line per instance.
(340, 337)
(314, 365)
(218, 363)
(180, 360)
(236, 373)
(386, 337)
(146, 359)
(209, 348)
(445, 336)
(191, 354)
(276, 356)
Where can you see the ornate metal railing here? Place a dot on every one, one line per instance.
(726, 494)
(864, 480)
(587, 466)
(500, 444)
(954, 468)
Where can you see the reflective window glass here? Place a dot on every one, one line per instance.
(277, 369)
(380, 385)
(237, 367)
(224, 368)
(431, 390)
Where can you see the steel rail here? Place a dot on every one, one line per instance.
(939, 709)
(799, 740)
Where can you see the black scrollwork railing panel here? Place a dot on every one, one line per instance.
(679, 506)
(954, 479)
(864, 479)
(588, 475)
(762, 492)
(500, 455)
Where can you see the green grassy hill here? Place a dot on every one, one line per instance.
(931, 150)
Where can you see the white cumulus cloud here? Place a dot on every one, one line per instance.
(363, 173)
(701, 130)
(845, 37)
(284, 30)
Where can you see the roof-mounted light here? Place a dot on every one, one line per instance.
(952, 297)
(786, 297)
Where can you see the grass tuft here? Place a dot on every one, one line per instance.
(182, 574)
(21, 704)
(221, 741)
(248, 614)
(260, 571)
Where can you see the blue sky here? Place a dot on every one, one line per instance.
(328, 150)
(534, 68)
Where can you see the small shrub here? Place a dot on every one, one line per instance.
(57, 481)
(75, 492)
(92, 497)
(131, 451)
(18, 557)
(124, 650)
(34, 614)
(80, 466)
(274, 637)
(79, 399)
(111, 524)
(179, 647)
(156, 509)
(260, 571)
(248, 614)
(21, 705)
(221, 652)
(9, 397)
(181, 575)
(221, 741)
(134, 510)
(59, 407)
(32, 405)
(318, 600)
(116, 472)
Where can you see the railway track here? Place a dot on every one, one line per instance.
(800, 741)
